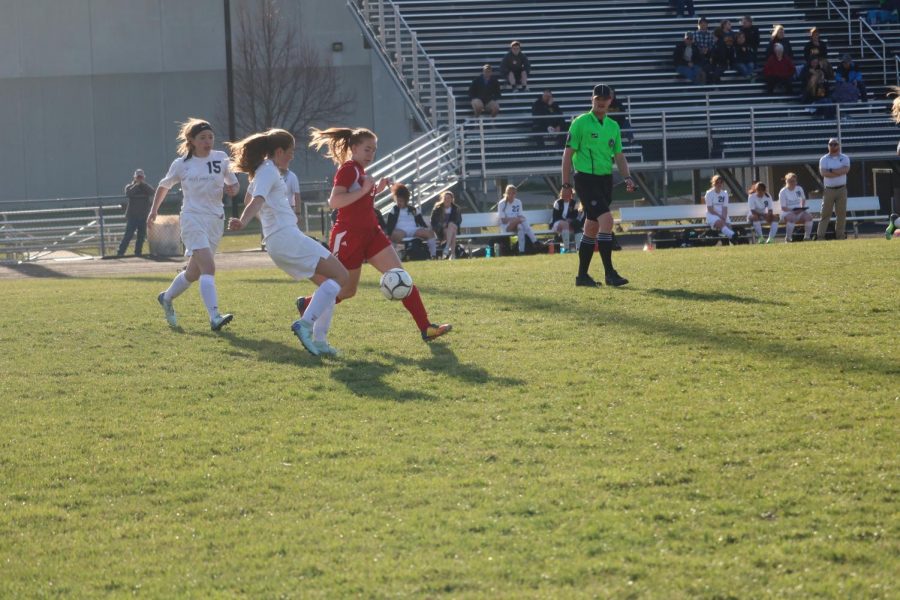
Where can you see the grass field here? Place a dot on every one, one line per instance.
(724, 427)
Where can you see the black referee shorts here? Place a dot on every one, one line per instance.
(595, 193)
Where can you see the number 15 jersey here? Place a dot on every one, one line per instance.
(202, 181)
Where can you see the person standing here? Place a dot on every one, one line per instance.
(203, 174)
(834, 167)
(594, 143)
(138, 196)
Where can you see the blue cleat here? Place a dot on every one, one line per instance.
(220, 321)
(168, 309)
(303, 331)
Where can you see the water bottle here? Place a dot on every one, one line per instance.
(487, 251)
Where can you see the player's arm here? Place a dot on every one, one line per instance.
(624, 170)
(158, 198)
(341, 196)
(250, 210)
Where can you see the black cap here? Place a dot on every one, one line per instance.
(603, 90)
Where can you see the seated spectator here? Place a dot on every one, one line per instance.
(793, 208)
(779, 38)
(724, 29)
(847, 72)
(446, 219)
(724, 56)
(484, 92)
(761, 208)
(703, 41)
(751, 33)
(515, 67)
(405, 220)
(548, 118)
(887, 12)
(717, 207)
(512, 219)
(779, 71)
(815, 46)
(744, 56)
(683, 7)
(565, 220)
(815, 90)
(688, 61)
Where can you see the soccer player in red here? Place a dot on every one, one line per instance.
(356, 236)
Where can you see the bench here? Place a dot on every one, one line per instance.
(681, 217)
(474, 225)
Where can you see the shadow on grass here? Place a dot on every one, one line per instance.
(443, 361)
(269, 351)
(367, 379)
(35, 270)
(679, 294)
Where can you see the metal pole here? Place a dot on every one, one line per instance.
(837, 114)
(381, 22)
(665, 159)
(398, 47)
(709, 143)
(752, 137)
(451, 106)
(102, 232)
(461, 141)
(414, 84)
(483, 157)
(432, 87)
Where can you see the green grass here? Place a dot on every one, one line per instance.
(724, 427)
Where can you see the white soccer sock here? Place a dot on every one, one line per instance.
(323, 324)
(321, 300)
(789, 230)
(432, 246)
(530, 233)
(177, 287)
(809, 229)
(521, 234)
(566, 236)
(757, 227)
(209, 294)
(773, 230)
(727, 231)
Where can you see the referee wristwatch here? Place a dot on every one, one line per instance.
(567, 186)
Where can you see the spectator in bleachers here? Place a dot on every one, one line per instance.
(776, 38)
(688, 60)
(484, 92)
(548, 118)
(724, 56)
(761, 207)
(509, 209)
(779, 71)
(565, 220)
(815, 46)
(887, 12)
(847, 72)
(703, 37)
(724, 29)
(682, 7)
(744, 56)
(815, 89)
(515, 67)
(404, 220)
(793, 208)
(751, 33)
(717, 207)
(446, 219)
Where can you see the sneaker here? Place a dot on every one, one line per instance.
(769, 241)
(892, 226)
(585, 281)
(760, 240)
(615, 280)
(435, 331)
(303, 331)
(301, 304)
(220, 321)
(168, 309)
(326, 349)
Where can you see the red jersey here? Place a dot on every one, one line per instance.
(360, 214)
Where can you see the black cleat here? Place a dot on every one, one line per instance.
(585, 281)
(615, 280)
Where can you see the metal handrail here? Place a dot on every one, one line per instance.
(864, 42)
(845, 16)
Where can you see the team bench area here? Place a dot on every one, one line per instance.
(654, 220)
(484, 228)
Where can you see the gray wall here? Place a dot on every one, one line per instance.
(92, 89)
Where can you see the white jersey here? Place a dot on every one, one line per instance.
(202, 181)
(507, 210)
(406, 220)
(760, 204)
(718, 200)
(276, 213)
(293, 186)
(791, 199)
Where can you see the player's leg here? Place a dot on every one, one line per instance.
(397, 236)
(773, 227)
(808, 222)
(316, 319)
(756, 222)
(893, 224)
(450, 236)
(790, 218)
(587, 190)
(203, 265)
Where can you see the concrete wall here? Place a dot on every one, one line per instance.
(91, 89)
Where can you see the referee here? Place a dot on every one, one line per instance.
(594, 142)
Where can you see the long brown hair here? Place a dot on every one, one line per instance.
(339, 141)
(187, 133)
(247, 154)
(895, 107)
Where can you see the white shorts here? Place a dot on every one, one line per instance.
(295, 253)
(201, 231)
(711, 219)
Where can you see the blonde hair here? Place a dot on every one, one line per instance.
(895, 107)
(247, 154)
(448, 193)
(510, 187)
(189, 130)
(776, 30)
(339, 141)
(790, 176)
(715, 179)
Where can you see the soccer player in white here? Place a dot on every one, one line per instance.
(203, 174)
(511, 218)
(717, 206)
(761, 208)
(793, 208)
(265, 156)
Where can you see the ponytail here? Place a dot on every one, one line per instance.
(249, 153)
(338, 140)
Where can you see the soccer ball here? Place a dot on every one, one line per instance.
(396, 284)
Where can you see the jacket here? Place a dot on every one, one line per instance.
(548, 115)
(437, 217)
(515, 64)
(783, 69)
(394, 214)
(140, 196)
(571, 215)
(485, 90)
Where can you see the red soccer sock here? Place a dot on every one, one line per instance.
(413, 303)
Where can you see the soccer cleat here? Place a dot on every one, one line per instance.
(760, 240)
(435, 331)
(892, 226)
(303, 331)
(220, 321)
(168, 309)
(585, 281)
(301, 304)
(615, 280)
(326, 349)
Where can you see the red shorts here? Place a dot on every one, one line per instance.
(354, 247)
